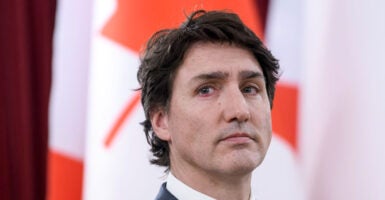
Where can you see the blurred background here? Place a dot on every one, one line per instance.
(69, 115)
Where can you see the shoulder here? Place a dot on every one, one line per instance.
(164, 194)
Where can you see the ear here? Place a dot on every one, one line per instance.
(159, 122)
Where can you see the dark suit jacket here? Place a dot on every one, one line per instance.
(164, 194)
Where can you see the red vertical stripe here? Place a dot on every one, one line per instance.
(285, 113)
(65, 177)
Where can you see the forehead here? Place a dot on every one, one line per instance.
(211, 57)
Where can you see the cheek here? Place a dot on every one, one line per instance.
(192, 132)
(262, 120)
(268, 130)
(184, 125)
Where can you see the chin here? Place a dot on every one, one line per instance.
(239, 162)
(243, 166)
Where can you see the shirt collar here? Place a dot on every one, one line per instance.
(184, 192)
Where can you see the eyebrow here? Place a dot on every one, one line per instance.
(219, 75)
(248, 74)
(211, 76)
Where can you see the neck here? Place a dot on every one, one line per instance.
(218, 186)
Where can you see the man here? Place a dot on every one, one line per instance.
(207, 92)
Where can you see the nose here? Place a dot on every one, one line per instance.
(235, 107)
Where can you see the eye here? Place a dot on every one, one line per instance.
(252, 90)
(206, 91)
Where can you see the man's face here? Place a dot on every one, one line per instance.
(218, 121)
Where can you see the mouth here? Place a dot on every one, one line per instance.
(238, 138)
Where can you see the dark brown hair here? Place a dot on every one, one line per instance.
(165, 52)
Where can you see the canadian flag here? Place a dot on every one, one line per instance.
(327, 113)
(97, 147)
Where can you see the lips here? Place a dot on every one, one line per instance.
(238, 138)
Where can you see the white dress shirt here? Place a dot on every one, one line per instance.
(183, 192)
